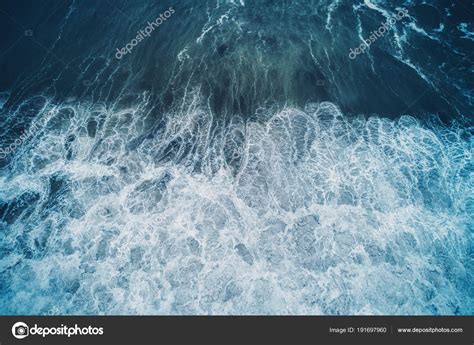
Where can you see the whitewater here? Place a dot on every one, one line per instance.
(307, 212)
(237, 160)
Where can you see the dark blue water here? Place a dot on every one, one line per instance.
(236, 159)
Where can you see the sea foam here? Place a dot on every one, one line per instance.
(307, 212)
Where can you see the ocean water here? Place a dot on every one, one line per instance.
(237, 160)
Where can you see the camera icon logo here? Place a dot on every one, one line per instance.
(20, 330)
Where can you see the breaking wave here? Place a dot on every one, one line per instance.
(305, 211)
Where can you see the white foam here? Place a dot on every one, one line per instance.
(316, 213)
